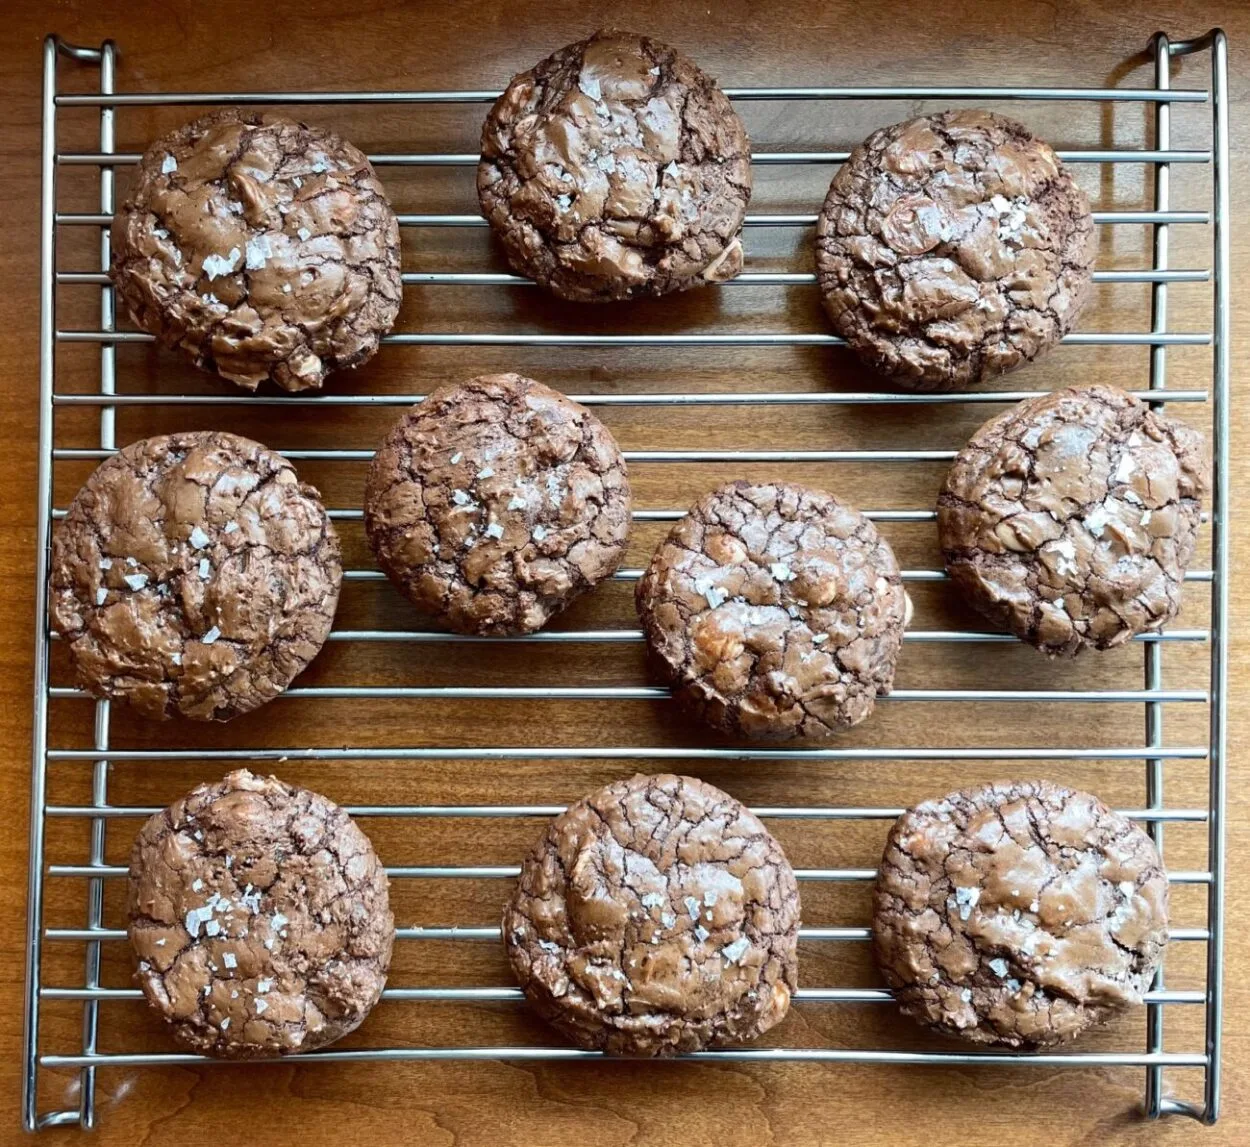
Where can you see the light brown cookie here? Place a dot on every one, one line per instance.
(775, 611)
(1018, 913)
(615, 169)
(194, 575)
(656, 916)
(952, 248)
(496, 502)
(259, 915)
(1070, 519)
(261, 247)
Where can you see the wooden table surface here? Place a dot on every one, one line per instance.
(370, 44)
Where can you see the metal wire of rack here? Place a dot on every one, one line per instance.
(1154, 753)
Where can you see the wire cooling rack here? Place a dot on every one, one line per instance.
(58, 750)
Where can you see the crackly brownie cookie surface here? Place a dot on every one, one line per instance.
(1018, 913)
(194, 575)
(654, 917)
(263, 248)
(952, 248)
(775, 611)
(259, 915)
(616, 168)
(1070, 519)
(495, 502)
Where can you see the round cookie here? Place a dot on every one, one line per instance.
(952, 248)
(775, 612)
(194, 575)
(656, 916)
(495, 502)
(259, 915)
(263, 248)
(1069, 519)
(1018, 913)
(615, 169)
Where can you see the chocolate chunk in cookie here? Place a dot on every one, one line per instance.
(615, 169)
(952, 248)
(194, 575)
(259, 915)
(1018, 913)
(263, 248)
(1070, 519)
(775, 611)
(495, 502)
(656, 916)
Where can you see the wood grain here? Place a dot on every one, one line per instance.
(230, 45)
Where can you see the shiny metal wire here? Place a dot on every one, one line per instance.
(1153, 754)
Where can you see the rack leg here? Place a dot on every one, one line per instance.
(43, 517)
(1154, 650)
(1217, 43)
(1216, 842)
(99, 777)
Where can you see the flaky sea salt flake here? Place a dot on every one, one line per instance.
(256, 252)
(966, 900)
(217, 265)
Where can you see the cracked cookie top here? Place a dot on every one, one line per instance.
(614, 169)
(260, 918)
(952, 248)
(1018, 913)
(495, 502)
(656, 916)
(1070, 519)
(263, 248)
(775, 611)
(194, 575)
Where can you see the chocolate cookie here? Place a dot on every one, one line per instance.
(615, 168)
(194, 574)
(259, 915)
(952, 248)
(265, 249)
(495, 502)
(1018, 913)
(775, 611)
(656, 916)
(1070, 519)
